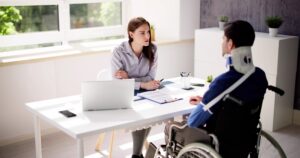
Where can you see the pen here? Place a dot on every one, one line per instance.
(161, 80)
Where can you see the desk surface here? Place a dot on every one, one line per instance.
(144, 112)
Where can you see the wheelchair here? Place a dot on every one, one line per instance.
(212, 142)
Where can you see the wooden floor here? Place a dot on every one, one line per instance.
(59, 145)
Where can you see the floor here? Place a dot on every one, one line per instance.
(60, 145)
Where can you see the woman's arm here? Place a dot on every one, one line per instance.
(116, 62)
(152, 72)
(148, 82)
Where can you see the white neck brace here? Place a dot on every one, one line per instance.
(242, 59)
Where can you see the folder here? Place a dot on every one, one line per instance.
(158, 96)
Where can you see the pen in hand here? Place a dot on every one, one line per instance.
(161, 80)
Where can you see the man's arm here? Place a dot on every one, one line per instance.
(198, 117)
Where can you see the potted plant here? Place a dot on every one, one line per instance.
(222, 21)
(152, 32)
(273, 22)
(209, 78)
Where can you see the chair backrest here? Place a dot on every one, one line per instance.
(104, 74)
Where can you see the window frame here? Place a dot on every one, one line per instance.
(65, 34)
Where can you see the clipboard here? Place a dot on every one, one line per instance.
(158, 96)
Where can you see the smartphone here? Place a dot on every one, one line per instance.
(67, 113)
(198, 84)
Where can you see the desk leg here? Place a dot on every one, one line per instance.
(37, 137)
(146, 144)
(111, 144)
(80, 153)
(100, 142)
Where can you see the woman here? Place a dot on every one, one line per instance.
(137, 58)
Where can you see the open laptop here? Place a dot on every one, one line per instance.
(107, 95)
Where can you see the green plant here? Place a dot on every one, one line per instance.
(274, 21)
(152, 27)
(8, 17)
(223, 18)
(152, 32)
(209, 78)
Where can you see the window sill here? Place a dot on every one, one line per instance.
(84, 48)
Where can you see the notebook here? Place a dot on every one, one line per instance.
(158, 96)
(107, 95)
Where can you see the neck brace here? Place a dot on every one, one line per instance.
(241, 59)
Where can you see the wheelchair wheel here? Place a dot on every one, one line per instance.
(270, 146)
(198, 150)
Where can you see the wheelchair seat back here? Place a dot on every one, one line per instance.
(236, 126)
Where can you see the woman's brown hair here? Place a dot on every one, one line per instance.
(135, 23)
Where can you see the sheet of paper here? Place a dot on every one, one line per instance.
(158, 96)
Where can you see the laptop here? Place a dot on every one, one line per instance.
(107, 95)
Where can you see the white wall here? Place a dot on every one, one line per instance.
(26, 82)
(173, 19)
(189, 18)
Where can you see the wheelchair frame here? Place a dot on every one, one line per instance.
(201, 150)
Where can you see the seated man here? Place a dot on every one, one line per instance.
(209, 114)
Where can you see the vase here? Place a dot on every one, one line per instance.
(152, 34)
(221, 25)
(273, 32)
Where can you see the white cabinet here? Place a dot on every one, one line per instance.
(277, 56)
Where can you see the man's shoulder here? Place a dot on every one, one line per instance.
(258, 70)
(228, 76)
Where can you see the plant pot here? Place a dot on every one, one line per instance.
(273, 32)
(152, 34)
(221, 25)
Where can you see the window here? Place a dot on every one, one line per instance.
(37, 18)
(57, 22)
(95, 14)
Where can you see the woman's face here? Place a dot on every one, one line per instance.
(141, 35)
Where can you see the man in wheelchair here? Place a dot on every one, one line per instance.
(230, 109)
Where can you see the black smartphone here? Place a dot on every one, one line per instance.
(198, 84)
(67, 113)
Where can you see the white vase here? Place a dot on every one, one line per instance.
(273, 32)
(221, 25)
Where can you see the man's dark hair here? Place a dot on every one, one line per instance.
(240, 32)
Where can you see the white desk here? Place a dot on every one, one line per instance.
(145, 113)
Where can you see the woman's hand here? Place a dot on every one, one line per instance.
(195, 100)
(121, 74)
(151, 85)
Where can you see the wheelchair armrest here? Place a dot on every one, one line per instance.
(215, 141)
(229, 97)
(172, 126)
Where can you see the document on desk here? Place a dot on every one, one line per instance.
(158, 96)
